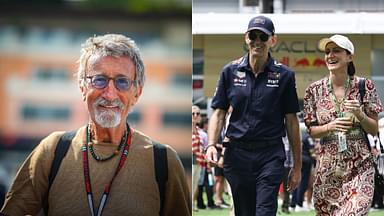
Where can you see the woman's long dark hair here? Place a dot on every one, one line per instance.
(351, 67)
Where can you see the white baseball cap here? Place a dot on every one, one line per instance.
(340, 40)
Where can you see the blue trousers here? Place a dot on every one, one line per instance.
(254, 177)
(298, 193)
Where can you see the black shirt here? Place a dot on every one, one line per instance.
(259, 103)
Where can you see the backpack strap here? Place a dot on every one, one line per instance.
(160, 160)
(161, 171)
(60, 152)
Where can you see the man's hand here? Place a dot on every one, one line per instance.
(294, 178)
(220, 163)
(211, 155)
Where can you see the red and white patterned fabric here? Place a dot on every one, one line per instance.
(352, 193)
(198, 148)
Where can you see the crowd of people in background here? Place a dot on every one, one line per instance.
(212, 187)
(339, 110)
(205, 179)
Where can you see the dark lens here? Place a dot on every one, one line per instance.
(264, 37)
(252, 35)
(123, 83)
(99, 81)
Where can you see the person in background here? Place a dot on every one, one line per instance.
(306, 168)
(309, 193)
(377, 202)
(206, 184)
(263, 96)
(204, 177)
(199, 137)
(288, 164)
(109, 167)
(377, 147)
(333, 112)
(220, 181)
(204, 124)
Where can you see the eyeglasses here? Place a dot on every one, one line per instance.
(101, 81)
(253, 35)
(196, 113)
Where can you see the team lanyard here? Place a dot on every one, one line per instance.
(87, 179)
(337, 104)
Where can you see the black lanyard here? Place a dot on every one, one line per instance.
(87, 179)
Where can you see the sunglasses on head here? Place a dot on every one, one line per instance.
(196, 113)
(253, 35)
(122, 83)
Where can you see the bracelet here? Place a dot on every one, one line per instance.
(209, 145)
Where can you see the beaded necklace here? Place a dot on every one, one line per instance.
(337, 103)
(92, 151)
(107, 189)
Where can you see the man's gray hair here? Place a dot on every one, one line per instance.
(110, 45)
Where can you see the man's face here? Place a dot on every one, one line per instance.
(109, 106)
(195, 115)
(259, 42)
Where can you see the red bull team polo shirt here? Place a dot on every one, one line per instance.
(259, 103)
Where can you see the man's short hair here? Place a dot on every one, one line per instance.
(111, 45)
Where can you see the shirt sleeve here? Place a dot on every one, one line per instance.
(177, 195)
(30, 186)
(290, 100)
(220, 98)
(371, 100)
(204, 137)
(309, 107)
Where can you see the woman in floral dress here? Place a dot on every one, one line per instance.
(333, 111)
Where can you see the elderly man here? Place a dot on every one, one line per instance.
(109, 167)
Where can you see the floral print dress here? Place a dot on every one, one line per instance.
(347, 192)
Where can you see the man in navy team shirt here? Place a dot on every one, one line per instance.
(263, 95)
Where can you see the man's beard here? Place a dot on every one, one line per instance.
(107, 118)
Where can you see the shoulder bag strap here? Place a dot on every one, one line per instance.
(362, 94)
(161, 171)
(362, 89)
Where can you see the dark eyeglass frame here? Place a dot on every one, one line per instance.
(116, 81)
(254, 34)
(196, 113)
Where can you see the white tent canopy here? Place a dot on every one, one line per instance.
(319, 23)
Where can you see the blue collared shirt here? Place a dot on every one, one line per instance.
(259, 103)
